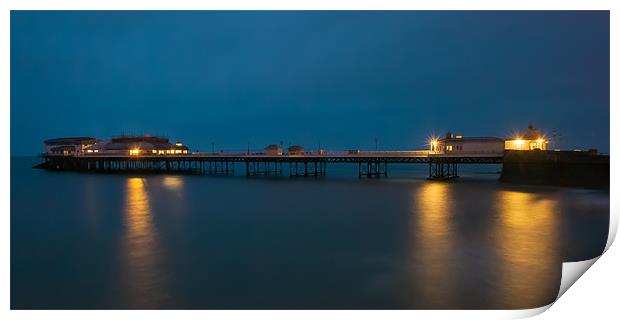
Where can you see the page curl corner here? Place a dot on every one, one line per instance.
(571, 271)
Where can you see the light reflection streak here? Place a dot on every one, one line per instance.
(527, 242)
(144, 277)
(92, 204)
(173, 183)
(433, 254)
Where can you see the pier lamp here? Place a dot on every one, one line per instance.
(134, 152)
(433, 142)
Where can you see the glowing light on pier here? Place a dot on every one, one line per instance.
(519, 143)
(531, 139)
(433, 142)
(134, 152)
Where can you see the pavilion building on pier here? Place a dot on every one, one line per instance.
(459, 145)
(123, 145)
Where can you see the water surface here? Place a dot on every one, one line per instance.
(85, 240)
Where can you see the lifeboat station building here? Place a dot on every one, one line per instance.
(531, 139)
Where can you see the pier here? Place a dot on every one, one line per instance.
(524, 159)
(370, 164)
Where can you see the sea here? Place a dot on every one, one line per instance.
(172, 241)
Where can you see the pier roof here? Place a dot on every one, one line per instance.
(70, 140)
(473, 139)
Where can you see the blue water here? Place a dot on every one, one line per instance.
(85, 240)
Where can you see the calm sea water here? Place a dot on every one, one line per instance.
(82, 240)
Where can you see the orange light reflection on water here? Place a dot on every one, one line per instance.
(519, 247)
(173, 183)
(144, 277)
(434, 282)
(527, 239)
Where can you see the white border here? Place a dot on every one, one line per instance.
(585, 299)
(311, 5)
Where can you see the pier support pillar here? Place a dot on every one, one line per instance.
(372, 168)
(442, 169)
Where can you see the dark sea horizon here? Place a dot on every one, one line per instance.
(169, 241)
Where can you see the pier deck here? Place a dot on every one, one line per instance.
(370, 164)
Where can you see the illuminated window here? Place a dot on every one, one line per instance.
(449, 148)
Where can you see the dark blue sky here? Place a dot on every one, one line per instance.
(338, 78)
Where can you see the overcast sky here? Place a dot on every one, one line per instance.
(335, 78)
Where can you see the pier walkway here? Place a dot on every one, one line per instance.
(370, 164)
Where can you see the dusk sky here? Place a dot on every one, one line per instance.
(335, 78)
